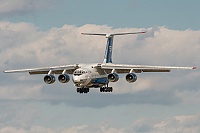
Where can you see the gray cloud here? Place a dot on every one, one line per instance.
(180, 123)
(177, 124)
(23, 46)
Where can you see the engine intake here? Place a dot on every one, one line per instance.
(113, 77)
(131, 77)
(63, 78)
(49, 79)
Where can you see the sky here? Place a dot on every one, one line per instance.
(47, 33)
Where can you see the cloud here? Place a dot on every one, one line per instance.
(77, 129)
(24, 46)
(29, 105)
(183, 124)
(177, 124)
(13, 7)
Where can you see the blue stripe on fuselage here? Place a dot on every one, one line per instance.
(100, 80)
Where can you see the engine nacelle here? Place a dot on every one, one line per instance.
(49, 79)
(63, 78)
(131, 77)
(113, 77)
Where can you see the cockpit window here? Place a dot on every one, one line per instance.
(79, 72)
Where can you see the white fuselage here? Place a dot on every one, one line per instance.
(88, 76)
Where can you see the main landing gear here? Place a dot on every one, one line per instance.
(106, 89)
(83, 90)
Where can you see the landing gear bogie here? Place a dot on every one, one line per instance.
(106, 89)
(83, 90)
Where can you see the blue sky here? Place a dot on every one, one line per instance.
(180, 14)
(47, 33)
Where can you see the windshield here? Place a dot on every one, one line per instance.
(79, 72)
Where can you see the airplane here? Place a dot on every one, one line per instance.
(96, 75)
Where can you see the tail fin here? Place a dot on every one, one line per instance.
(109, 46)
(108, 52)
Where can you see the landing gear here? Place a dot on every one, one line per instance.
(106, 89)
(83, 90)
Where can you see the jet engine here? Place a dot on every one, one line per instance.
(63, 78)
(131, 77)
(113, 77)
(49, 79)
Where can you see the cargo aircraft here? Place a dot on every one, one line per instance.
(96, 75)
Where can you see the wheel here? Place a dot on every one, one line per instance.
(83, 90)
(102, 89)
(86, 90)
(78, 90)
(110, 89)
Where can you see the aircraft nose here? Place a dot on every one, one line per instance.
(76, 80)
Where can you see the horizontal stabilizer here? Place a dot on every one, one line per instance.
(128, 33)
(97, 34)
(109, 46)
(113, 34)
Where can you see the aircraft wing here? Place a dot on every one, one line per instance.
(121, 68)
(45, 70)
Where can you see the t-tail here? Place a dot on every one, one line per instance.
(109, 46)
